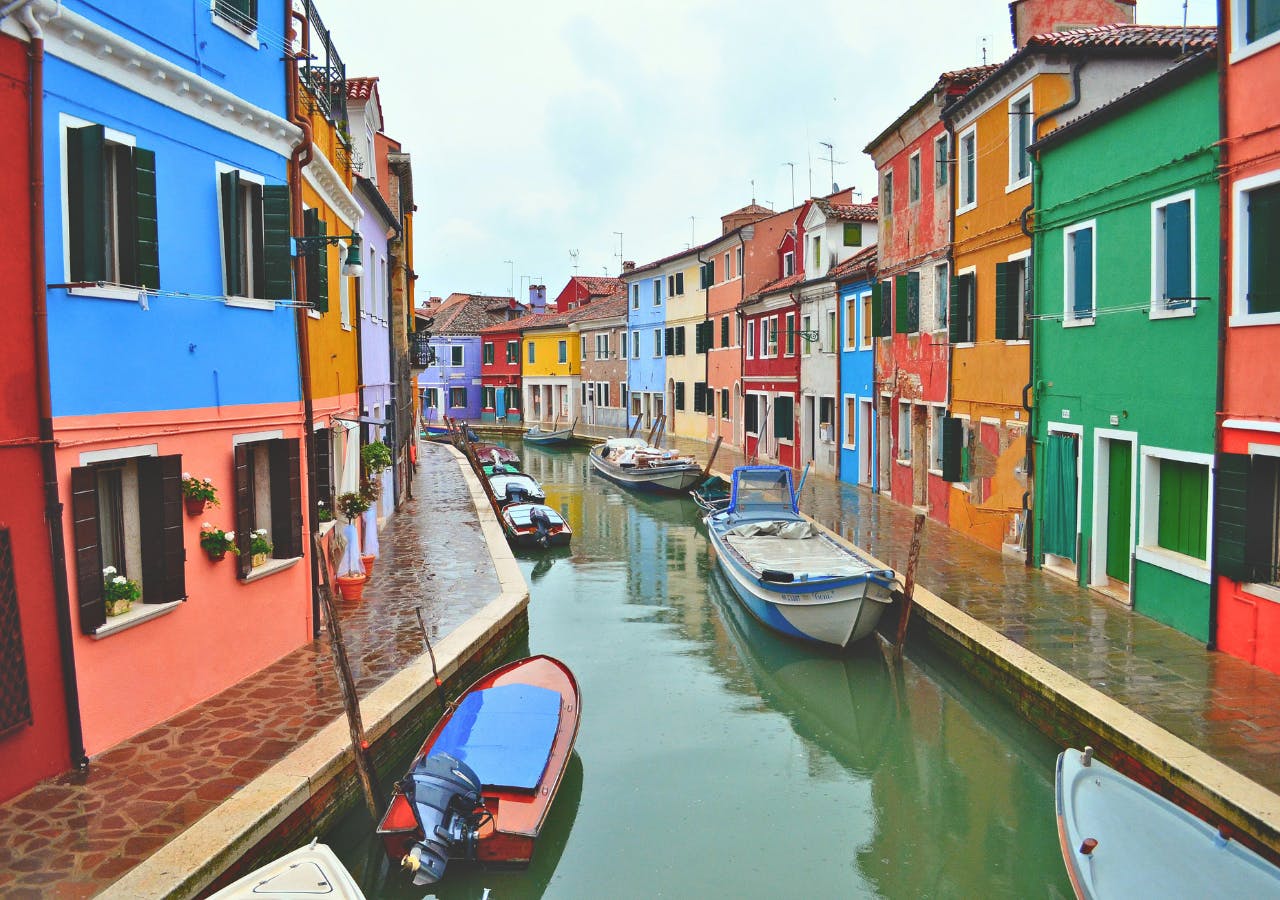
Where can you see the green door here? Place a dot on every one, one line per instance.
(1119, 484)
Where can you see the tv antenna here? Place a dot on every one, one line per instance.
(831, 158)
(573, 255)
(793, 181)
(619, 254)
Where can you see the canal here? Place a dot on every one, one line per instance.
(716, 759)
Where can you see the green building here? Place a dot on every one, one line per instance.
(1124, 352)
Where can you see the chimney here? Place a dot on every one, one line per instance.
(745, 216)
(628, 265)
(537, 298)
(1031, 17)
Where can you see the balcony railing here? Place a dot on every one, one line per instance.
(421, 353)
(323, 71)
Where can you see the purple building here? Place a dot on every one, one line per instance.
(452, 386)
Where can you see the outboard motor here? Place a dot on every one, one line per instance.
(517, 494)
(444, 794)
(542, 522)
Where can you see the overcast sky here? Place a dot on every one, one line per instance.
(545, 127)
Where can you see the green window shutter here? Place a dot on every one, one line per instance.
(146, 232)
(680, 341)
(1184, 497)
(1264, 262)
(232, 247)
(751, 414)
(724, 331)
(668, 342)
(88, 549)
(275, 242)
(317, 262)
(957, 321)
(852, 234)
(782, 416)
(1177, 250)
(952, 440)
(1082, 286)
(1263, 19)
(1006, 307)
(86, 201)
(901, 317)
(697, 340)
(1231, 517)
(913, 302)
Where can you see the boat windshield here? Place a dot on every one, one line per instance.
(761, 489)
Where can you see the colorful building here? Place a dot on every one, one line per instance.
(551, 368)
(1126, 281)
(912, 376)
(649, 288)
(167, 238)
(580, 290)
(856, 419)
(686, 361)
(604, 364)
(1247, 551)
(452, 386)
(1050, 79)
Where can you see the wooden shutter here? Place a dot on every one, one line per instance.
(877, 303)
(913, 302)
(957, 328)
(232, 249)
(84, 531)
(1183, 507)
(1177, 250)
(277, 263)
(286, 498)
(1264, 263)
(668, 341)
(86, 200)
(160, 511)
(902, 317)
(146, 234)
(243, 465)
(724, 331)
(783, 413)
(679, 332)
(952, 445)
(1082, 264)
(15, 689)
(751, 414)
(852, 234)
(680, 395)
(322, 464)
(1231, 515)
(1006, 306)
(317, 263)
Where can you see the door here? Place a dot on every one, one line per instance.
(1119, 489)
(807, 429)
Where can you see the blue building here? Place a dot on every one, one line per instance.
(646, 346)
(857, 432)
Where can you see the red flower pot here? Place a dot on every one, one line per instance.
(351, 587)
(368, 561)
(194, 505)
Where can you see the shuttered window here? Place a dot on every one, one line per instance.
(962, 327)
(853, 234)
(1264, 262)
(697, 396)
(268, 493)
(751, 414)
(317, 262)
(1247, 518)
(1262, 17)
(952, 446)
(322, 465)
(783, 416)
(679, 335)
(724, 403)
(15, 691)
(255, 238)
(1080, 276)
(907, 312)
(724, 331)
(241, 13)
(1184, 500)
(1174, 253)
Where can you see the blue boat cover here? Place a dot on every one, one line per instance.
(504, 733)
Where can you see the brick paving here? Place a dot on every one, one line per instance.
(75, 835)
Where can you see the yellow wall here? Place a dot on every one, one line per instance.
(688, 309)
(546, 353)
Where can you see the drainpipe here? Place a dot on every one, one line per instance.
(44, 397)
(1224, 256)
(301, 157)
(706, 352)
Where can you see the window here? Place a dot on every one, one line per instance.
(624, 344)
(432, 399)
(1181, 507)
(1011, 300)
(455, 356)
(562, 351)
(1020, 138)
(728, 268)
(829, 335)
(708, 273)
(457, 397)
(344, 296)
(486, 354)
(1079, 292)
(826, 419)
(783, 417)
(724, 403)
(268, 496)
(513, 351)
(788, 263)
(317, 263)
(941, 164)
(853, 234)
(907, 314)
(582, 347)
(936, 415)
(913, 178)
(739, 254)
(657, 342)
(1262, 17)
(867, 313)
(679, 336)
(1247, 521)
(699, 396)
(886, 195)
(1256, 256)
(724, 331)
(791, 334)
(111, 210)
(806, 325)
(531, 352)
(904, 431)
(622, 403)
(850, 323)
(657, 292)
(815, 259)
(882, 308)
(751, 414)
(635, 345)
(602, 345)
(635, 296)
(243, 14)
(968, 170)
(850, 421)
(489, 398)
(963, 327)
(751, 339)
(941, 289)
(255, 238)
(602, 393)
(773, 336)
(1173, 263)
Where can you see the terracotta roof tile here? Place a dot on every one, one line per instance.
(603, 287)
(850, 212)
(855, 264)
(464, 314)
(1193, 37)
(360, 88)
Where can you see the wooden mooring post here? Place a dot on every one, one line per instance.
(909, 588)
(706, 470)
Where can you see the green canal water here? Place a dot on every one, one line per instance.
(716, 759)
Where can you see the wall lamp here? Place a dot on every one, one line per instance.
(352, 266)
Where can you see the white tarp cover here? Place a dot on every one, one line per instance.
(795, 547)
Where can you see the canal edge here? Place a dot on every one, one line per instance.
(201, 854)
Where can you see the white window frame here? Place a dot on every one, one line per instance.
(850, 425)
(1148, 550)
(788, 263)
(915, 185)
(562, 352)
(233, 299)
(967, 270)
(850, 302)
(1240, 47)
(941, 299)
(230, 27)
(937, 412)
(739, 255)
(1014, 181)
(657, 291)
(728, 267)
(635, 295)
(1240, 315)
(657, 343)
(830, 339)
(344, 290)
(1024, 257)
(772, 345)
(1158, 257)
(904, 409)
(635, 345)
(751, 339)
(806, 324)
(970, 133)
(941, 160)
(462, 356)
(1069, 319)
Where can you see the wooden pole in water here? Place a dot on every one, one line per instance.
(909, 589)
(350, 699)
(631, 432)
(706, 470)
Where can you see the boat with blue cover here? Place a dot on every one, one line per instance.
(484, 780)
(792, 575)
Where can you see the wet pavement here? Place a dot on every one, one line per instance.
(75, 835)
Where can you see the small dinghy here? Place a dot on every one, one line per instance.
(631, 463)
(482, 784)
(496, 453)
(536, 435)
(1120, 839)
(310, 871)
(516, 487)
(535, 525)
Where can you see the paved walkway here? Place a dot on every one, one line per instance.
(73, 836)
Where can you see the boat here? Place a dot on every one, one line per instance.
(515, 487)
(496, 453)
(632, 463)
(310, 871)
(536, 435)
(1120, 839)
(711, 494)
(484, 780)
(536, 525)
(792, 575)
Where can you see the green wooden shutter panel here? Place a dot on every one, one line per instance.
(1184, 491)
(680, 341)
(1082, 256)
(952, 439)
(668, 342)
(88, 552)
(724, 331)
(1177, 250)
(1231, 515)
(1263, 19)
(232, 249)
(146, 225)
(322, 465)
(86, 202)
(782, 416)
(242, 466)
(1004, 318)
(1264, 262)
(852, 234)
(286, 498)
(751, 414)
(957, 323)
(902, 317)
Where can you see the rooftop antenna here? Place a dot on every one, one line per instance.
(619, 234)
(512, 282)
(793, 181)
(573, 254)
(809, 153)
(692, 241)
(1183, 49)
(831, 158)
(984, 51)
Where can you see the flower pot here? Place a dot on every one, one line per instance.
(194, 505)
(368, 561)
(351, 587)
(118, 607)
(258, 559)
(215, 555)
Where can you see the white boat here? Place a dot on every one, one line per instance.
(1120, 839)
(306, 873)
(536, 435)
(791, 575)
(632, 463)
(516, 487)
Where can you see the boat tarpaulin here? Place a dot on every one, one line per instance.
(504, 733)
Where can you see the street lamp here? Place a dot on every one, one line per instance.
(352, 266)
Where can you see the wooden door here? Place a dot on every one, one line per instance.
(1119, 488)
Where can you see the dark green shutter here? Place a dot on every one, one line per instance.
(146, 228)
(679, 332)
(88, 551)
(877, 309)
(1006, 306)
(278, 268)
(956, 326)
(902, 319)
(1231, 517)
(232, 245)
(1263, 18)
(680, 396)
(724, 331)
(668, 342)
(952, 443)
(242, 469)
(1082, 265)
(783, 413)
(1264, 261)
(317, 262)
(1177, 250)
(852, 234)
(751, 414)
(286, 498)
(86, 206)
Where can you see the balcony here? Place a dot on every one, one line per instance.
(421, 353)
(324, 73)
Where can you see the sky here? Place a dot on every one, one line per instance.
(539, 130)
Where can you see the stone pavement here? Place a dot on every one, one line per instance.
(73, 836)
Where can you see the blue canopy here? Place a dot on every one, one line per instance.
(762, 489)
(504, 733)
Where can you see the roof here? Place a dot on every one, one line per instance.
(692, 251)
(468, 313)
(602, 287)
(359, 90)
(855, 265)
(1013, 15)
(1103, 41)
(850, 212)
(778, 284)
(602, 309)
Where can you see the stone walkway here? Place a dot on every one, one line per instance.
(73, 836)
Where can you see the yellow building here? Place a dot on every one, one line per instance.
(686, 363)
(551, 368)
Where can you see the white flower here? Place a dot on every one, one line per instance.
(109, 570)
(207, 481)
(186, 475)
(319, 503)
(230, 536)
(206, 526)
(119, 579)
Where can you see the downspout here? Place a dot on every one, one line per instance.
(706, 351)
(1224, 256)
(44, 396)
(742, 349)
(953, 191)
(301, 157)
(1027, 501)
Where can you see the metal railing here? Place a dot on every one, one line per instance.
(421, 353)
(324, 73)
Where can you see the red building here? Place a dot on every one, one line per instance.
(39, 737)
(1247, 515)
(500, 371)
(580, 290)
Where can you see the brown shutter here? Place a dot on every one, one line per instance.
(286, 498)
(84, 518)
(322, 463)
(160, 512)
(244, 504)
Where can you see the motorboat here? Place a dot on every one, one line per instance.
(310, 871)
(634, 464)
(531, 525)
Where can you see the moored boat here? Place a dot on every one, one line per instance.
(536, 525)
(790, 574)
(516, 487)
(631, 463)
(496, 453)
(310, 871)
(536, 435)
(484, 780)
(1120, 839)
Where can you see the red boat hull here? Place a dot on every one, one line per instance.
(518, 816)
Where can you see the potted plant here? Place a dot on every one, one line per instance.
(197, 493)
(323, 513)
(352, 505)
(118, 592)
(259, 547)
(216, 542)
(376, 457)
